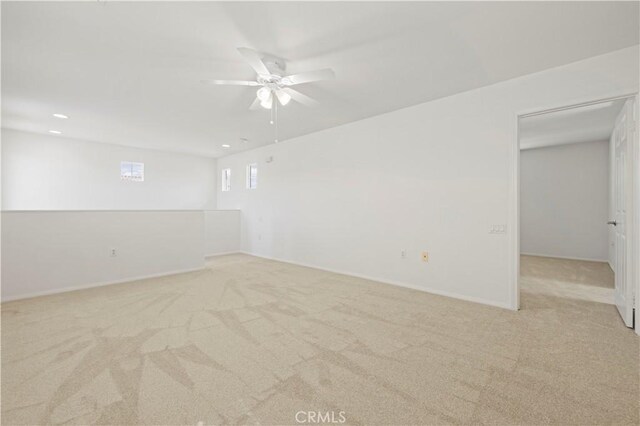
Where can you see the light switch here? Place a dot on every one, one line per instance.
(498, 229)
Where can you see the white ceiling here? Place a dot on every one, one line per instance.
(129, 72)
(583, 124)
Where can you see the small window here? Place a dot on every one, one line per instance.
(132, 171)
(252, 176)
(226, 179)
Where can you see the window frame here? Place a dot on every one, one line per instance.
(226, 180)
(131, 177)
(251, 166)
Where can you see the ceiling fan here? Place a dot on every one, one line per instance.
(273, 83)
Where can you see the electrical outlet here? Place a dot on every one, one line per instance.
(403, 254)
(425, 256)
(113, 252)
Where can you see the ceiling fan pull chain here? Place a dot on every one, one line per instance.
(275, 104)
(271, 113)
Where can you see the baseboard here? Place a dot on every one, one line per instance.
(100, 284)
(224, 253)
(390, 282)
(586, 259)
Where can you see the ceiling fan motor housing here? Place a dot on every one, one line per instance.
(276, 66)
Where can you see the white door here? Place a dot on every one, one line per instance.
(623, 139)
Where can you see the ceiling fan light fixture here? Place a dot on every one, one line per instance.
(268, 103)
(284, 97)
(264, 94)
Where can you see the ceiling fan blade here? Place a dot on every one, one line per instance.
(300, 97)
(254, 60)
(308, 77)
(232, 82)
(255, 105)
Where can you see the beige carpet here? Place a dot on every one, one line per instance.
(573, 279)
(251, 341)
(596, 274)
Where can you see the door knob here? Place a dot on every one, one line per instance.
(612, 222)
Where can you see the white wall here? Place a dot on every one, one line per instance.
(564, 201)
(433, 177)
(49, 252)
(221, 232)
(42, 172)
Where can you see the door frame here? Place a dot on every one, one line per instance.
(633, 232)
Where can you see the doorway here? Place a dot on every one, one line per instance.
(577, 214)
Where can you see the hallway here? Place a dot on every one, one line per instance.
(565, 278)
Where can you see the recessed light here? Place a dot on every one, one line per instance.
(55, 132)
(60, 116)
(226, 146)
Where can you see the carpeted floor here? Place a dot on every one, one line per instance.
(252, 341)
(586, 272)
(573, 279)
